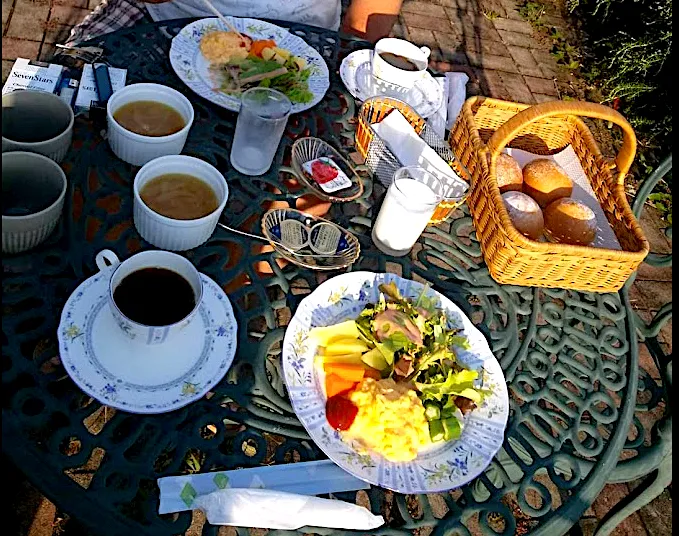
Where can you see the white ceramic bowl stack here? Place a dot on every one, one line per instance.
(137, 149)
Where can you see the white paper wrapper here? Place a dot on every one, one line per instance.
(266, 509)
(457, 93)
(437, 121)
(177, 493)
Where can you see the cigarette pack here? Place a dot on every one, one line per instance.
(39, 76)
(87, 91)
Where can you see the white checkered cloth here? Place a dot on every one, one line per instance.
(109, 16)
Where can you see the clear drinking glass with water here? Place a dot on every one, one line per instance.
(411, 200)
(261, 122)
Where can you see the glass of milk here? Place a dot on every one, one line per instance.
(410, 202)
(261, 122)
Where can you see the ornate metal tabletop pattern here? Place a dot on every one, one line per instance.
(570, 358)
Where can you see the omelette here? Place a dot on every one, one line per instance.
(224, 47)
(390, 420)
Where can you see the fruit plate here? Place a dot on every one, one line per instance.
(193, 69)
(440, 467)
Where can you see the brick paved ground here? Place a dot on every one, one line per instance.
(488, 40)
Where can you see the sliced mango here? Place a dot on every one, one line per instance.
(345, 346)
(354, 359)
(268, 53)
(285, 54)
(300, 62)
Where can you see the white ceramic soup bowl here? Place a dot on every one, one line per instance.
(33, 192)
(168, 233)
(137, 149)
(388, 73)
(141, 333)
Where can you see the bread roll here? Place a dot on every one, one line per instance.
(525, 214)
(570, 222)
(546, 181)
(508, 173)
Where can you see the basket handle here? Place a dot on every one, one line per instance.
(508, 131)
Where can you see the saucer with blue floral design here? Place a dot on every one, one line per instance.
(131, 376)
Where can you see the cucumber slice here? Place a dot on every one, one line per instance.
(431, 411)
(375, 359)
(436, 431)
(451, 428)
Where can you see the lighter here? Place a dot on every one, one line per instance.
(102, 82)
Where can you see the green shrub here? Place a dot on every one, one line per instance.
(629, 55)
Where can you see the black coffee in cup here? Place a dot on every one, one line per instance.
(154, 297)
(398, 61)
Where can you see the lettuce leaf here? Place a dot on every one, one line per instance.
(391, 345)
(457, 383)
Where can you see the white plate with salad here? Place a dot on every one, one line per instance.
(215, 63)
(394, 383)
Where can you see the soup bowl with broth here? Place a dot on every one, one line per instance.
(146, 121)
(178, 201)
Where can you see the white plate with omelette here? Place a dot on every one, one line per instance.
(194, 69)
(437, 467)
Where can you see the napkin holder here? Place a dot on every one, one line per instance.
(378, 158)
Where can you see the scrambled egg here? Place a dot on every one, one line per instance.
(222, 47)
(390, 420)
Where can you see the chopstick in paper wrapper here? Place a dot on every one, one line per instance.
(177, 493)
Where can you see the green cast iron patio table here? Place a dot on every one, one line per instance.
(570, 358)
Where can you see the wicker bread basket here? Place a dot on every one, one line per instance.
(483, 129)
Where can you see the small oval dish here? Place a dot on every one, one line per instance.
(309, 241)
(306, 150)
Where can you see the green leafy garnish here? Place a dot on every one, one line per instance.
(457, 383)
(411, 341)
(294, 83)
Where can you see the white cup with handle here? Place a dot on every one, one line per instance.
(142, 333)
(386, 72)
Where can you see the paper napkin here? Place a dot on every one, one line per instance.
(267, 509)
(411, 150)
(457, 93)
(437, 121)
(454, 87)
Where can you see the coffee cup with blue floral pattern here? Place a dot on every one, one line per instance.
(145, 334)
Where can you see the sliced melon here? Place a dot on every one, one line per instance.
(375, 359)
